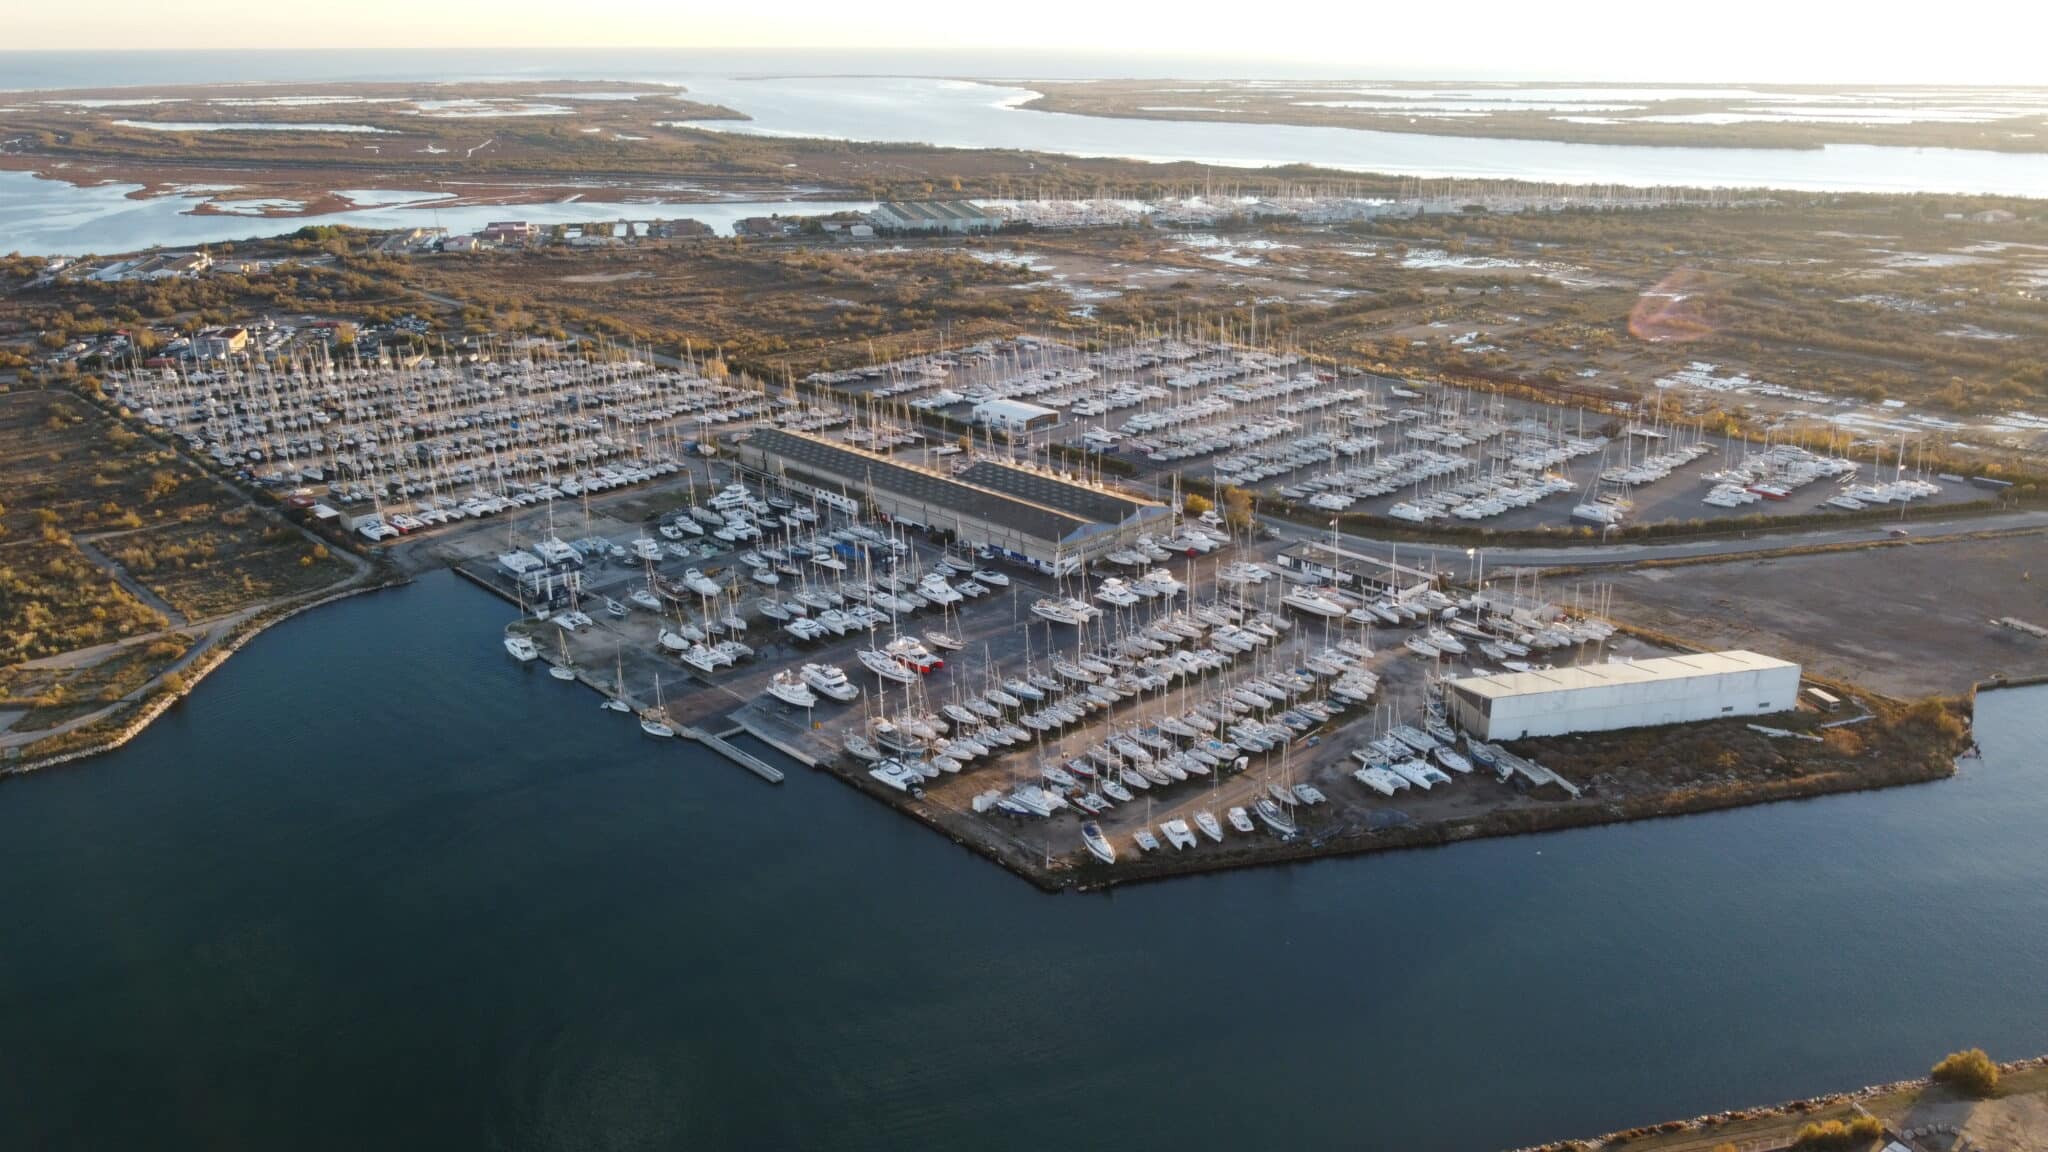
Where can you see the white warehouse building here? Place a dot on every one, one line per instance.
(1634, 694)
(1014, 415)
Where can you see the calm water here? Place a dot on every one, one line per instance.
(969, 115)
(49, 217)
(894, 97)
(375, 886)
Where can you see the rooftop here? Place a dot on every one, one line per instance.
(1083, 501)
(930, 488)
(1632, 672)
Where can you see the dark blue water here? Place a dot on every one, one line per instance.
(373, 886)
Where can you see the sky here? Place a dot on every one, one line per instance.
(1787, 41)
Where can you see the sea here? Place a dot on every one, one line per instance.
(970, 100)
(374, 885)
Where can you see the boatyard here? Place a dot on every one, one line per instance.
(1188, 698)
(1334, 441)
(1087, 680)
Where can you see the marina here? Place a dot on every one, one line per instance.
(1057, 722)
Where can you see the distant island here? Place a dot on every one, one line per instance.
(1689, 116)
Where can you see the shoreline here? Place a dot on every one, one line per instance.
(157, 702)
(1063, 875)
(1798, 1109)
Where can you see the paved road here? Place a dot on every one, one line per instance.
(1453, 556)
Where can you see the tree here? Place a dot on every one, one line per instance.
(1970, 1072)
(1237, 509)
(1195, 505)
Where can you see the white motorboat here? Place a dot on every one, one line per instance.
(699, 583)
(1206, 821)
(1098, 844)
(790, 688)
(1240, 821)
(521, 648)
(645, 599)
(830, 681)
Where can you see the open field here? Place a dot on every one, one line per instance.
(1751, 116)
(1908, 620)
(53, 600)
(106, 536)
(213, 567)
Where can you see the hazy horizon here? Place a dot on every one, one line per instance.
(1740, 41)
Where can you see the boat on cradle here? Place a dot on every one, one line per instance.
(1240, 821)
(1064, 611)
(522, 648)
(1314, 603)
(1275, 817)
(654, 721)
(1145, 840)
(885, 666)
(1481, 753)
(944, 640)
(1453, 761)
(1206, 821)
(857, 746)
(614, 609)
(790, 688)
(645, 599)
(829, 680)
(1178, 834)
(1098, 844)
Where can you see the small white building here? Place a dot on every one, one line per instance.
(1633, 694)
(1014, 415)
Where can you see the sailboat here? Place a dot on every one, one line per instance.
(564, 669)
(654, 721)
(616, 702)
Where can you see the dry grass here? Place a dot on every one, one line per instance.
(54, 600)
(213, 567)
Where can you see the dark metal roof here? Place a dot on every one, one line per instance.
(940, 493)
(1092, 504)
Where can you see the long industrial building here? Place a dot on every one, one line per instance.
(1635, 694)
(1031, 516)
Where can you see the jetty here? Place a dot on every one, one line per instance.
(718, 743)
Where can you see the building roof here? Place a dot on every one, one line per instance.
(935, 211)
(1082, 501)
(1014, 409)
(1319, 552)
(1686, 667)
(929, 488)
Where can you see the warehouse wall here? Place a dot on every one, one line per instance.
(1601, 708)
